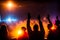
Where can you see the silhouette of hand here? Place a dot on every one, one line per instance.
(38, 17)
(48, 16)
(56, 17)
(29, 16)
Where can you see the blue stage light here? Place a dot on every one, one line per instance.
(10, 20)
(0, 19)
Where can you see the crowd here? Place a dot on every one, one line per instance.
(34, 35)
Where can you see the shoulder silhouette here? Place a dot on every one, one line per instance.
(3, 33)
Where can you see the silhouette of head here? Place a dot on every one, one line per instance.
(3, 27)
(48, 16)
(35, 27)
(49, 26)
(23, 28)
(57, 17)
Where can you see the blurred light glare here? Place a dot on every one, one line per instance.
(10, 20)
(53, 28)
(10, 4)
(0, 18)
(20, 32)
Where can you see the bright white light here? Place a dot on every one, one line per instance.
(10, 5)
(9, 20)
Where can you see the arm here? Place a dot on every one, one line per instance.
(48, 17)
(28, 23)
(41, 26)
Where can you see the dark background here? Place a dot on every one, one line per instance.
(35, 7)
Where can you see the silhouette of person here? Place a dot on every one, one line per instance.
(57, 22)
(24, 35)
(3, 33)
(35, 35)
(58, 27)
(51, 35)
(42, 31)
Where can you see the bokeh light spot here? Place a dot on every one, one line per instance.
(20, 32)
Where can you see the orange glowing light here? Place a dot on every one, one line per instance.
(10, 4)
(20, 32)
(53, 28)
(16, 33)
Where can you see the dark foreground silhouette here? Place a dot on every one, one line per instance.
(35, 35)
(3, 32)
(51, 35)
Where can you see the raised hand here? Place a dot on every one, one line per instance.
(38, 17)
(48, 16)
(28, 24)
(29, 16)
(56, 17)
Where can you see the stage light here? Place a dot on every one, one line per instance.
(20, 32)
(9, 5)
(9, 20)
(0, 19)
